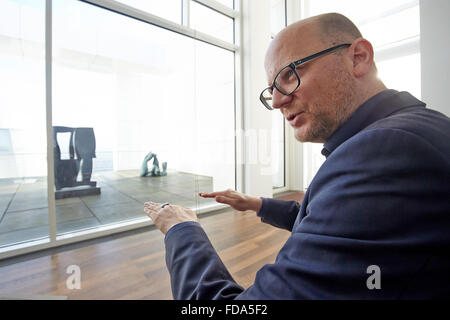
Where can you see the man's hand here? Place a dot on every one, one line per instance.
(238, 201)
(165, 218)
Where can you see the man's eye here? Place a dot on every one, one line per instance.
(288, 75)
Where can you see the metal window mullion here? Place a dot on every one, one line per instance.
(285, 142)
(217, 6)
(49, 122)
(186, 20)
(239, 145)
(214, 41)
(160, 22)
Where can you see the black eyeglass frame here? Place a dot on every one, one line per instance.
(293, 66)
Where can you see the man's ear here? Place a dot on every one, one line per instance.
(362, 56)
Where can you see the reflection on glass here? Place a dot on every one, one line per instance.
(167, 9)
(23, 148)
(211, 22)
(141, 89)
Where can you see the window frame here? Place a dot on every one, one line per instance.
(183, 28)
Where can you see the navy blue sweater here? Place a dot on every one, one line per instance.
(381, 198)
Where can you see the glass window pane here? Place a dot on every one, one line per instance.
(393, 28)
(313, 159)
(356, 10)
(277, 23)
(277, 15)
(381, 22)
(213, 137)
(167, 9)
(211, 22)
(143, 90)
(277, 150)
(402, 73)
(23, 147)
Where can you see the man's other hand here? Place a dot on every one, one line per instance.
(169, 216)
(238, 201)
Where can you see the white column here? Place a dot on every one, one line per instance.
(434, 51)
(295, 149)
(256, 122)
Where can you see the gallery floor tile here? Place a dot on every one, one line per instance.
(24, 205)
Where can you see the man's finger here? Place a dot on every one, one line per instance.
(151, 204)
(211, 194)
(207, 195)
(152, 209)
(225, 200)
(152, 214)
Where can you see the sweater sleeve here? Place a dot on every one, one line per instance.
(279, 213)
(196, 270)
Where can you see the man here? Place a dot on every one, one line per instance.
(375, 220)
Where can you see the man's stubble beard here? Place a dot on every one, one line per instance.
(330, 113)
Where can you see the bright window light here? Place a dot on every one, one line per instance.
(167, 9)
(209, 21)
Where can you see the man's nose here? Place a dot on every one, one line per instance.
(280, 100)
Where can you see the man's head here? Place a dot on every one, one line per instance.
(332, 85)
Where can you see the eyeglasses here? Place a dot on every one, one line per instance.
(288, 80)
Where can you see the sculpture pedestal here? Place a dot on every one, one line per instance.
(77, 191)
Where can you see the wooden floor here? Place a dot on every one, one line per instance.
(133, 266)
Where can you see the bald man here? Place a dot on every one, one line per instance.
(375, 220)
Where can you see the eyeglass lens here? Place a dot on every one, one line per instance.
(286, 82)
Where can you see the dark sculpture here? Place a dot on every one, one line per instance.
(82, 143)
(155, 171)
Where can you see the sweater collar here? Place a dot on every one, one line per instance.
(375, 108)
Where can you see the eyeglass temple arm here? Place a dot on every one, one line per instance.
(315, 55)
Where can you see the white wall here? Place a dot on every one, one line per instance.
(435, 50)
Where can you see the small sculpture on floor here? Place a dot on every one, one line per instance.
(155, 171)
